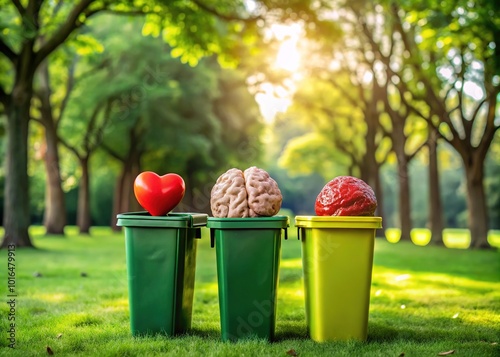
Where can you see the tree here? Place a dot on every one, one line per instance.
(135, 75)
(492, 183)
(53, 89)
(363, 93)
(44, 26)
(456, 60)
(92, 139)
(364, 68)
(405, 132)
(298, 186)
(236, 142)
(163, 119)
(436, 221)
(169, 117)
(50, 112)
(53, 23)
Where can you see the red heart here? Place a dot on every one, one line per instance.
(158, 194)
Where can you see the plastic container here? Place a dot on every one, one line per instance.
(337, 259)
(248, 254)
(161, 262)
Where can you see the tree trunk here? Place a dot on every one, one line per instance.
(16, 218)
(404, 198)
(117, 201)
(370, 173)
(371, 166)
(54, 218)
(124, 197)
(476, 203)
(135, 170)
(55, 206)
(83, 210)
(380, 200)
(398, 143)
(435, 206)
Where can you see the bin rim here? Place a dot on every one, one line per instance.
(173, 219)
(368, 222)
(248, 222)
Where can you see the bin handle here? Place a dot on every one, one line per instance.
(198, 219)
(298, 233)
(212, 238)
(286, 233)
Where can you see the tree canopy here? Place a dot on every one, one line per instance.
(396, 93)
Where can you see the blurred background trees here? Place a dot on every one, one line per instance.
(402, 95)
(34, 30)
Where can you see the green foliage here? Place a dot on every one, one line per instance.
(469, 25)
(299, 191)
(10, 32)
(240, 121)
(146, 90)
(191, 33)
(184, 118)
(447, 37)
(102, 190)
(312, 153)
(457, 53)
(204, 118)
(195, 121)
(333, 137)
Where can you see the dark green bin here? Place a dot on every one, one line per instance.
(161, 263)
(248, 254)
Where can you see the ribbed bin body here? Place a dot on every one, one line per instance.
(248, 255)
(161, 263)
(337, 260)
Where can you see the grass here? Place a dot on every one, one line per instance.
(424, 300)
(458, 238)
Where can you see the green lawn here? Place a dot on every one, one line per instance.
(424, 300)
(458, 238)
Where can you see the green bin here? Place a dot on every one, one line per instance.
(337, 260)
(161, 262)
(248, 254)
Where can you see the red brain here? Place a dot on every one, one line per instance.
(346, 196)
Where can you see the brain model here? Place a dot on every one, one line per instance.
(252, 193)
(346, 196)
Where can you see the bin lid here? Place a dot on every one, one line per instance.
(338, 222)
(249, 222)
(174, 220)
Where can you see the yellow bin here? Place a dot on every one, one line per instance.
(337, 260)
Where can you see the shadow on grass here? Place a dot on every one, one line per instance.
(419, 328)
(209, 333)
(390, 327)
(215, 335)
(293, 333)
(379, 332)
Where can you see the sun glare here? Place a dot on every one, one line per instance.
(288, 56)
(270, 104)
